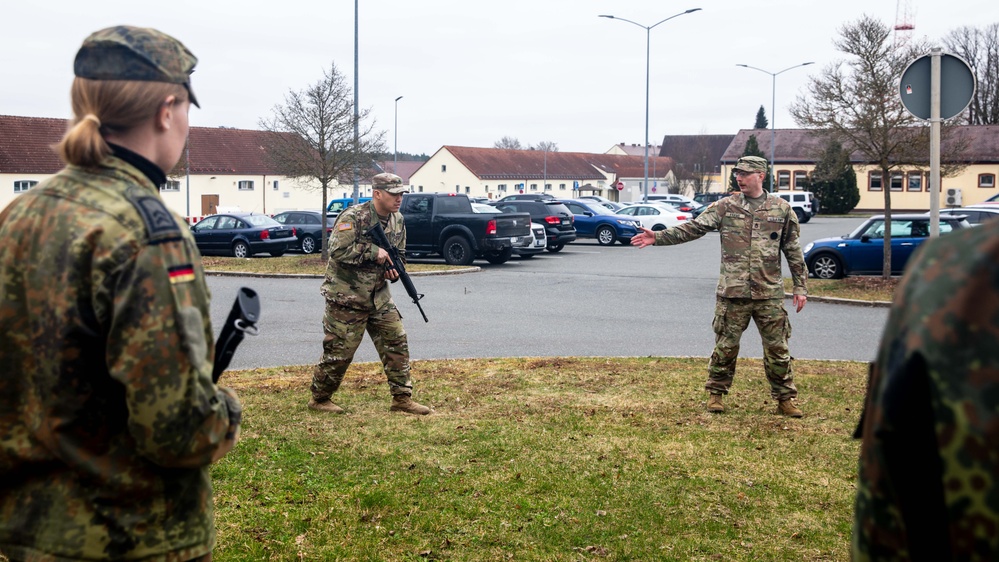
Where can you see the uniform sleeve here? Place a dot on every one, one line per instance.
(160, 348)
(791, 246)
(347, 245)
(707, 221)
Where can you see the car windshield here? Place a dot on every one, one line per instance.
(260, 220)
(481, 208)
(558, 208)
(596, 208)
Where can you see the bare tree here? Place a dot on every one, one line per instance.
(857, 104)
(509, 143)
(547, 146)
(980, 48)
(318, 145)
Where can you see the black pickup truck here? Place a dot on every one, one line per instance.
(444, 223)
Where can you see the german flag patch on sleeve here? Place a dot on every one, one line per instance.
(181, 274)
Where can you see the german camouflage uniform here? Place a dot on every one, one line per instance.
(928, 483)
(108, 414)
(358, 299)
(750, 284)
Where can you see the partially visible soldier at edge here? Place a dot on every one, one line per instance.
(358, 299)
(108, 414)
(928, 482)
(755, 228)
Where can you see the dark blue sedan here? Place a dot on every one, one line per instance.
(593, 220)
(242, 235)
(862, 251)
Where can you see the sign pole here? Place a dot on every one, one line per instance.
(935, 142)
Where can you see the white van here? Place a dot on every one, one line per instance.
(802, 203)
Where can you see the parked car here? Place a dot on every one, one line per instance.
(671, 197)
(242, 235)
(529, 197)
(593, 220)
(862, 251)
(692, 208)
(556, 217)
(308, 227)
(336, 206)
(974, 214)
(654, 216)
(529, 246)
(445, 224)
(803, 203)
(710, 197)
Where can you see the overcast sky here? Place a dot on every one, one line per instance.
(473, 71)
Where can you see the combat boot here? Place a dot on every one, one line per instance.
(789, 408)
(325, 406)
(405, 403)
(715, 405)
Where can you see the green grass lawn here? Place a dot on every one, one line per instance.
(542, 459)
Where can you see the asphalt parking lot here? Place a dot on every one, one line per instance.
(587, 300)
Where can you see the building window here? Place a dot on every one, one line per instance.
(561, 187)
(457, 189)
(897, 179)
(419, 189)
(501, 188)
(874, 182)
(170, 185)
(915, 182)
(800, 179)
(24, 185)
(245, 185)
(548, 187)
(443, 167)
(467, 190)
(783, 180)
(275, 185)
(984, 180)
(534, 187)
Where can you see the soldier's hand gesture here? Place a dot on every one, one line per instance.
(645, 237)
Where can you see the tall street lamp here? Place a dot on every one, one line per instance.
(395, 148)
(648, 31)
(773, 117)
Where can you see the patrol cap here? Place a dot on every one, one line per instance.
(389, 182)
(752, 164)
(124, 52)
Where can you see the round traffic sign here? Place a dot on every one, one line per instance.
(957, 86)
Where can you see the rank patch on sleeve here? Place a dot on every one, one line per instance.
(181, 274)
(345, 226)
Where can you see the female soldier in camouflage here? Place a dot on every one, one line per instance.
(108, 414)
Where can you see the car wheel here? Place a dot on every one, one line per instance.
(277, 254)
(658, 227)
(555, 248)
(801, 215)
(807, 217)
(457, 251)
(624, 241)
(827, 266)
(308, 245)
(605, 236)
(499, 257)
(240, 249)
(525, 256)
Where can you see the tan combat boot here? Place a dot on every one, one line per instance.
(789, 408)
(404, 403)
(715, 405)
(325, 406)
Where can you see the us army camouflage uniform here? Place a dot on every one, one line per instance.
(108, 414)
(928, 483)
(358, 299)
(750, 284)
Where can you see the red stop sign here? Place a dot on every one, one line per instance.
(620, 186)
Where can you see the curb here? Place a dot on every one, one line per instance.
(472, 269)
(851, 302)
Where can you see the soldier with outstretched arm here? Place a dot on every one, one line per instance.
(755, 228)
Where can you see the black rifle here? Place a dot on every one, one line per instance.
(242, 320)
(377, 233)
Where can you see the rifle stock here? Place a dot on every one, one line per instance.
(242, 320)
(377, 233)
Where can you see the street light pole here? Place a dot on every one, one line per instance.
(773, 117)
(648, 32)
(395, 148)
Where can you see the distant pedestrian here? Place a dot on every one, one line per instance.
(358, 299)
(108, 414)
(928, 483)
(756, 228)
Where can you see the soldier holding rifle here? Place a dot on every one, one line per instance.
(358, 299)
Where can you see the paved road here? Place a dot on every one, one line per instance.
(587, 300)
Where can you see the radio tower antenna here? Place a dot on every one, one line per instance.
(903, 22)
